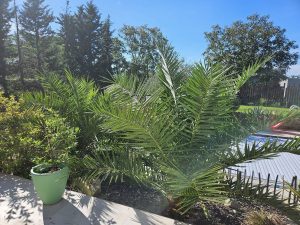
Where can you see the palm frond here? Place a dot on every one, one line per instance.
(206, 101)
(117, 164)
(294, 190)
(72, 98)
(250, 71)
(141, 126)
(252, 152)
(201, 186)
(128, 88)
(169, 70)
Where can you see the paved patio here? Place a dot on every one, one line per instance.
(19, 205)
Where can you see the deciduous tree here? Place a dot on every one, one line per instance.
(141, 49)
(242, 43)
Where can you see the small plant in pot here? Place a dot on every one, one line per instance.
(51, 174)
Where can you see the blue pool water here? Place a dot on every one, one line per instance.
(260, 140)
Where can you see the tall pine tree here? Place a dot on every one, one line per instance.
(35, 19)
(88, 43)
(5, 17)
(18, 42)
(106, 57)
(68, 34)
(88, 37)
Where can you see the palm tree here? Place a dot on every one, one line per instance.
(172, 131)
(71, 97)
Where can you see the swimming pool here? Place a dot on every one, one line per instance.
(285, 165)
(259, 140)
(263, 139)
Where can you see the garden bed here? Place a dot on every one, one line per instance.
(275, 110)
(147, 199)
(234, 214)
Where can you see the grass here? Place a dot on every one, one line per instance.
(245, 108)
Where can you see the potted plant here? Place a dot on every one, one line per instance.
(51, 174)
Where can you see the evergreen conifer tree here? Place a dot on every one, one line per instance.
(67, 32)
(106, 57)
(35, 19)
(5, 17)
(18, 42)
(88, 38)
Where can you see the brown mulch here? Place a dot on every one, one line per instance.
(226, 215)
(147, 199)
(139, 197)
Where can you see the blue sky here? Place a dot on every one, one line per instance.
(185, 21)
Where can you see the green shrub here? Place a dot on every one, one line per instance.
(263, 101)
(73, 99)
(30, 136)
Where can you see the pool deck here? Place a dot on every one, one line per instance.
(293, 134)
(285, 165)
(19, 205)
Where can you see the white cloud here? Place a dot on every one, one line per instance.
(294, 70)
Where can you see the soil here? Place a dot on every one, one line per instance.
(139, 197)
(150, 200)
(227, 215)
(47, 169)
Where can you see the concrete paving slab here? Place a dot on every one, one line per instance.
(19, 205)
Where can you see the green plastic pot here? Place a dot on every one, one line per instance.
(50, 187)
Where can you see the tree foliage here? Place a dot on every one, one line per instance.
(154, 121)
(67, 33)
(72, 98)
(35, 19)
(106, 56)
(88, 37)
(5, 17)
(168, 133)
(18, 43)
(179, 135)
(174, 133)
(88, 43)
(140, 46)
(240, 44)
(29, 136)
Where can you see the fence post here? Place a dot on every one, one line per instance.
(295, 187)
(245, 176)
(259, 183)
(252, 179)
(282, 187)
(267, 187)
(275, 185)
(290, 193)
